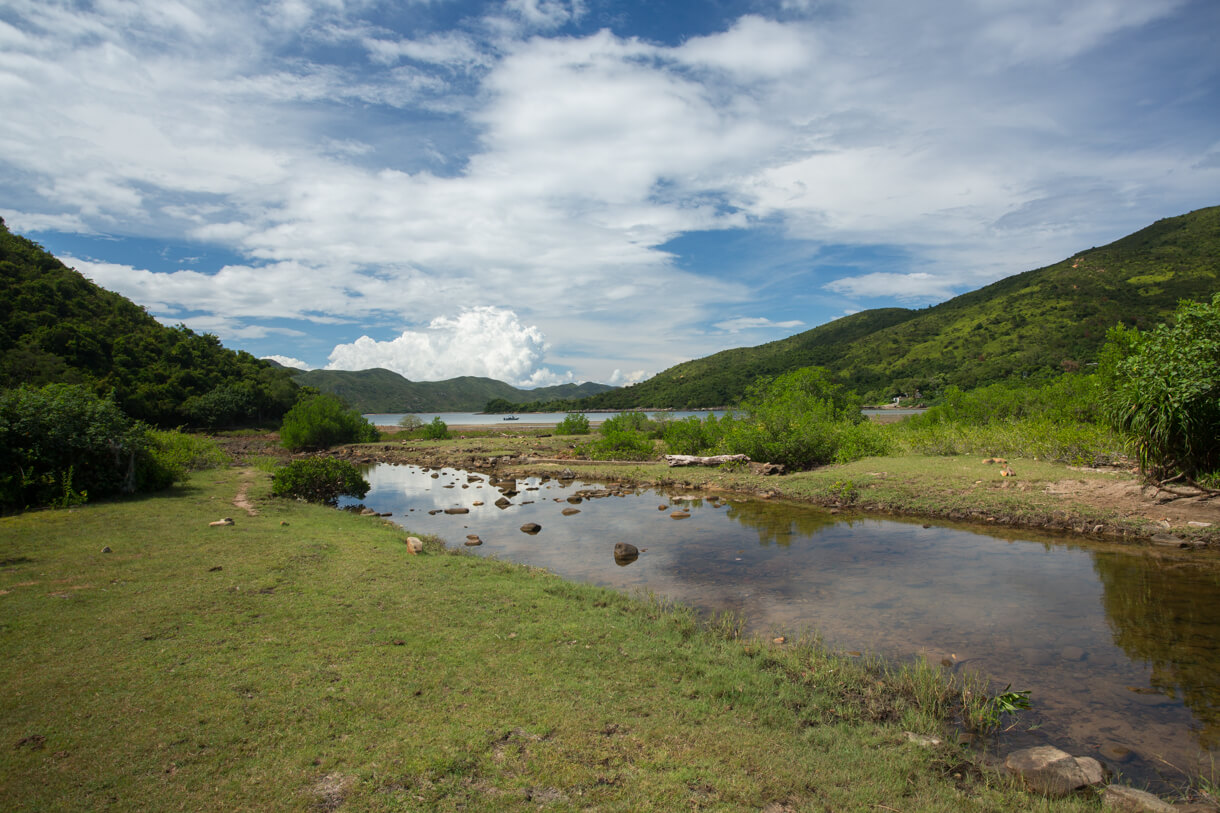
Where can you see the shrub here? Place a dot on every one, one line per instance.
(574, 423)
(693, 435)
(1162, 387)
(322, 421)
(62, 444)
(436, 430)
(619, 444)
(319, 479)
(801, 419)
(179, 453)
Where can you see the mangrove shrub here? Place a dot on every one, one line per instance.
(1162, 387)
(319, 479)
(322, 421)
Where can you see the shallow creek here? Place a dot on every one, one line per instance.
(1119, 648)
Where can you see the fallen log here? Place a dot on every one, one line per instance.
(694, 460)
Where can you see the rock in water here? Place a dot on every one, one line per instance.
(625, 553)
(531, 528)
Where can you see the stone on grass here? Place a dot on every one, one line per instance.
(922, 739)
(1053, 772)
(415, 544)
(1120, 797)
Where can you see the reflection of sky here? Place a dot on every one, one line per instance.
(1023, 612)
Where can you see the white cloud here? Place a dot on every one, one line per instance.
(916, 286)
(482, 341)
(740, 323)
(288, 361)
(618, 378)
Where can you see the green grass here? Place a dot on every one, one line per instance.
(317, 665)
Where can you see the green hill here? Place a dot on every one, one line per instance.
(1031, 325)
(58, 327)
(380, 390)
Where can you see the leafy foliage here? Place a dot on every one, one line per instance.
(58, 327)
(179, 453)
(319, 479)
(436, 429)
(624, 437)
(574, 423)
(62, 444)
(1058, 420)
(801, 419)
(1163, 387)
(320, 421)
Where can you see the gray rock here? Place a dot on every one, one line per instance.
(1052, 772)
(1120, 797)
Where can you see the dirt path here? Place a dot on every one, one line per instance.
(242, 499)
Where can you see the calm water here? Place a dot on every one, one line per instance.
(482, 419)
(1121, 651)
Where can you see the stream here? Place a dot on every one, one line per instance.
(1119, 648)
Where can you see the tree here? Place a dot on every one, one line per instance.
(321, 421)
(1162, 387)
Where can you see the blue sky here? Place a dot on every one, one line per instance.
(544, 191)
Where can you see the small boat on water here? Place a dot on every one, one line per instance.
(511, 418)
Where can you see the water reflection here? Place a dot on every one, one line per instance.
(1163, 614)
(1118, 648)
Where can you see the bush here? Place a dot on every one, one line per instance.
(801, 419)
(619, 444)
(319, 479)
(1162, 387)
(574, 423)
(693, 436)
(436, 430)
(179, 453)
(62, 444)
(322, 421)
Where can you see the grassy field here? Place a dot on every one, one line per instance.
(302, 659)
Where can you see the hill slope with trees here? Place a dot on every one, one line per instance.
(381, 390)
(1031, 325)
(56, 326)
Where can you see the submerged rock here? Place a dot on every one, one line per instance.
(625, 553)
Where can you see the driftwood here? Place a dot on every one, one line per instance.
(714, 460)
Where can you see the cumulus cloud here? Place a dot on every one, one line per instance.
(482, 341)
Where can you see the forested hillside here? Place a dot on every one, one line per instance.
(58, 327)
(1031, 325)
(380, 390)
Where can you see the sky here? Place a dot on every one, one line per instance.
(552, 191)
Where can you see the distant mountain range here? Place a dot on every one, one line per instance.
(1031, 325)
(380, 390)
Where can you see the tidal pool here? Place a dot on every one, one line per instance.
(1119, 649)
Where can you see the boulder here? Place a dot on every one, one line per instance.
(531, 528)
(625, 553)
(503, 502)
(415, 544)
(1053, 772)
(1120, 797)
(472, 540)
